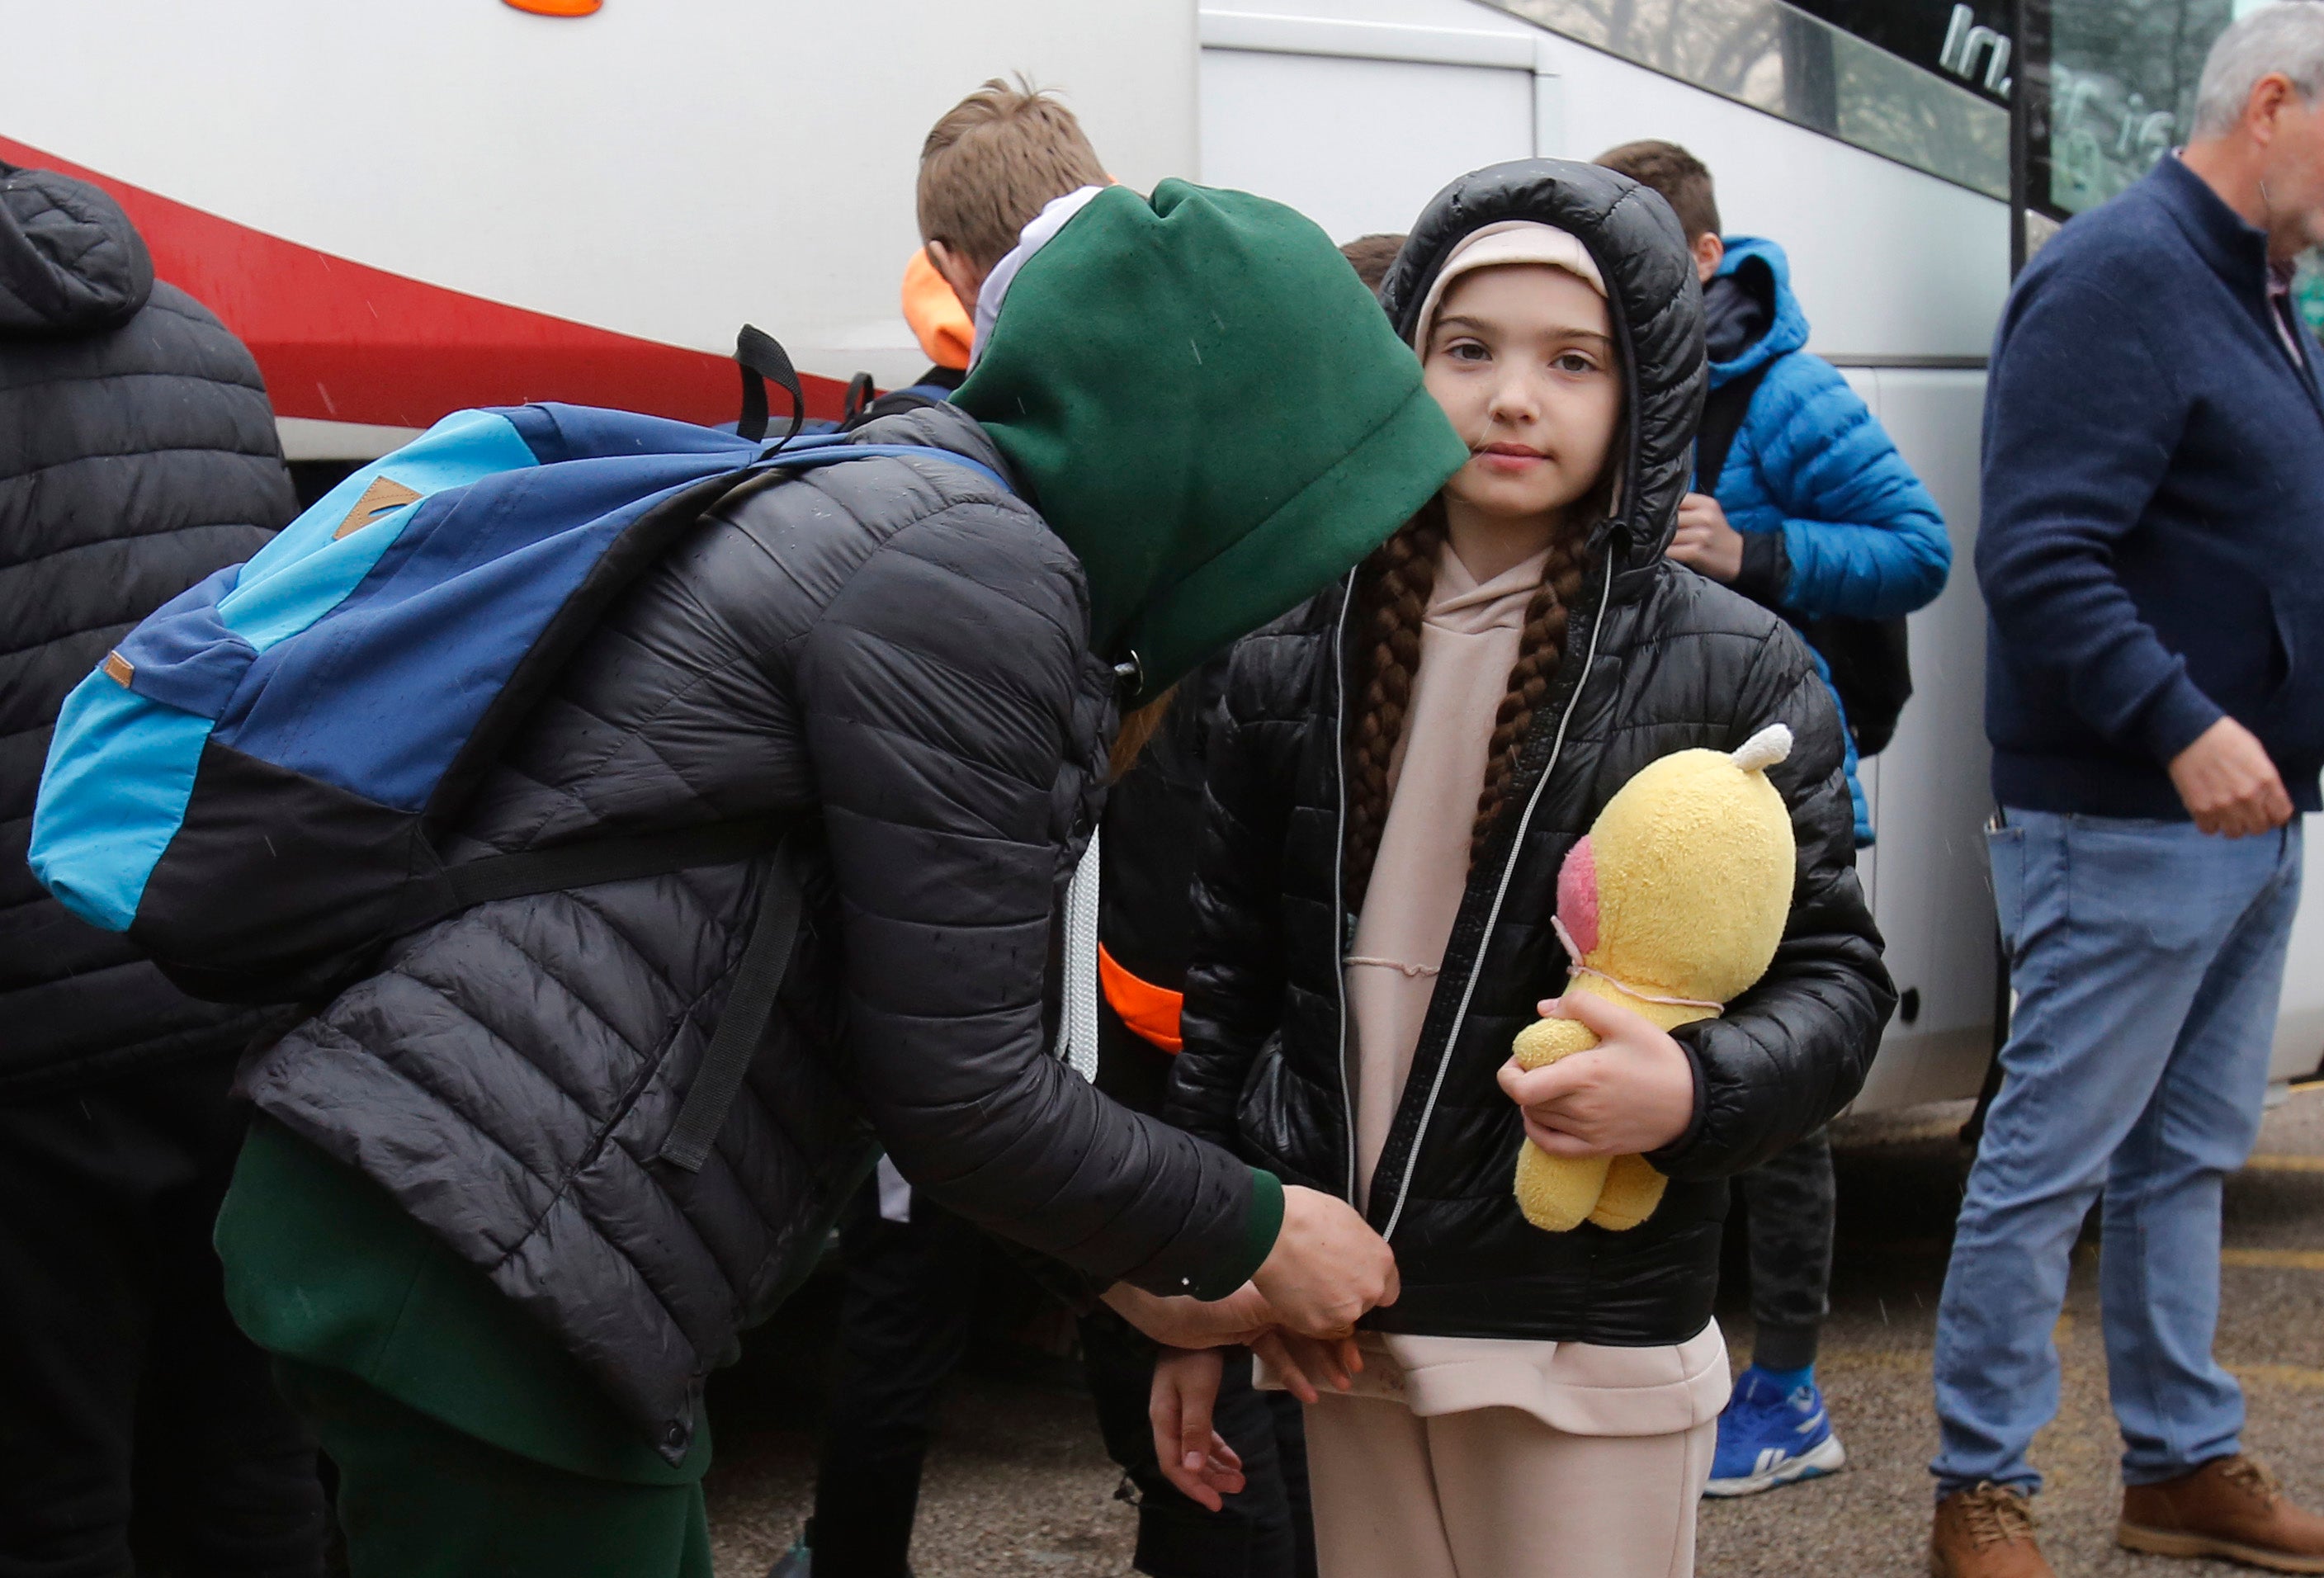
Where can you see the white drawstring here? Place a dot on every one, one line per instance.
(1077, 1027)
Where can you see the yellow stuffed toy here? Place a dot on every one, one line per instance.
(1671, 906)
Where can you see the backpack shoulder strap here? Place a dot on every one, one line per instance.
(742, 1023)
(1722, 418)
(766, 955)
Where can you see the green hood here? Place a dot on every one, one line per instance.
(1209, 408)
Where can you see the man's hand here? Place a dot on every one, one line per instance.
(1705, 541)
(1192, 1323)
(1632, 1093)
(1194, 1456)
(1327, 1267)
(2228, 784)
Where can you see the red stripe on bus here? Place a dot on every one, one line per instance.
(346, 342)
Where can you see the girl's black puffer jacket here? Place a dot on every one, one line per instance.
(1657, 659)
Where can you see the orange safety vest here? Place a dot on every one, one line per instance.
(1149, 1010)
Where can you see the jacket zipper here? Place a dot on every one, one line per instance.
(1338, 876)
(1492, 919)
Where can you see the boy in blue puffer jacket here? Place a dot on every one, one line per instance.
(1813, 513)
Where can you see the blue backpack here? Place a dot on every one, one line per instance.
(256, 782)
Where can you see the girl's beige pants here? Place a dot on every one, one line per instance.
(1496, 1493)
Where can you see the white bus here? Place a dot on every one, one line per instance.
(406, 210)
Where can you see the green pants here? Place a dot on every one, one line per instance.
(419, 1499)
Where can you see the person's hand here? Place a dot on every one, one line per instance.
(1194, 1456)
(1181, 1322)
(1327, 1267)
(2227, 783)
(1705, 541)
(1634, 1092)
(1304, 1364)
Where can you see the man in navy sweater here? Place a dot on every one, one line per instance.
(2152, 558)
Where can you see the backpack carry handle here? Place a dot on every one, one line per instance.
(762, 358)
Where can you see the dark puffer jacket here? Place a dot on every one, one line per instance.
(900, 643)
(1656, 660)
(1146, 919)
(137, 455)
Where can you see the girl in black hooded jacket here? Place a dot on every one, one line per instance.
(1466, 703)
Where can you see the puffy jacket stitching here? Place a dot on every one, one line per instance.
(137, 453)
(655, 1063)
(437, 1098)
(125, 374)
(604, 1129)
(546, 1077)
(62, 636)
(662, 1290)
(488, 918)
(950, 483)
(644, 954)
(622, 735)
(1027, 531)
(1026, 534)
(984, 769)
(167, 528)
(934, 661)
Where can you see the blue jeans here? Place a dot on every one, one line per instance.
(2147, 958)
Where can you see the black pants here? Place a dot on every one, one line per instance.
(906, 1320)
(124, 1386)
(1788, 1203)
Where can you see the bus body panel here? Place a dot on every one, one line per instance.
(668, 172)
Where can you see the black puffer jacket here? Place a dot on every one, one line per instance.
(137, 455)
(1153, 828)
(901, 644)
(1657, 659)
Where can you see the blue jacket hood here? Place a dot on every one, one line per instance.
(1758, 268)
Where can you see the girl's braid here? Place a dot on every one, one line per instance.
(1539, 651)
(1393, 587)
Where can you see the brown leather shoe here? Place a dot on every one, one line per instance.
(1986, 1531)
(2230, 1507)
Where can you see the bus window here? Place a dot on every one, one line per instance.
(2110, 89)
(1907, 80)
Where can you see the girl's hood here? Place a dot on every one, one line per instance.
(1205, 404)
(1651, 293)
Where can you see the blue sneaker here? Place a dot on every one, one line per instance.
(1768, 1438)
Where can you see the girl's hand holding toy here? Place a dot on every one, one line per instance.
(1633, 1091)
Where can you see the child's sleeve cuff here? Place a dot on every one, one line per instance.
(1262, 1223)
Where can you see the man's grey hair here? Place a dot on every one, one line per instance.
(2287, 36)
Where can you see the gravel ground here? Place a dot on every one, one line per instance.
(1017, 1482)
